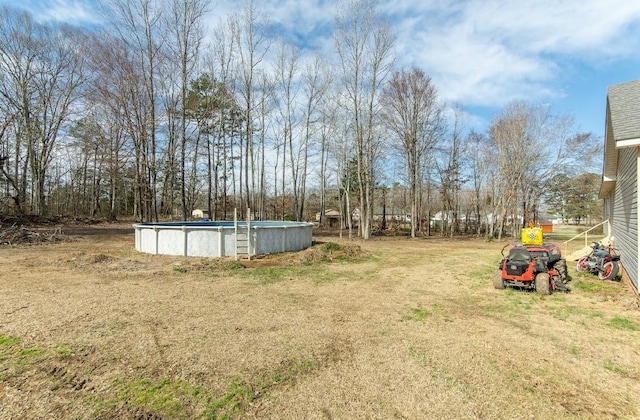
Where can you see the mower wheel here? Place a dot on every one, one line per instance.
(498, 282)
(561, 267)
(609, 271)
(543, 285)
(582, 265)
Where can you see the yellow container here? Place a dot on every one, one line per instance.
(531, 236)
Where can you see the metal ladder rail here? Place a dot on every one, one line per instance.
(242, 237)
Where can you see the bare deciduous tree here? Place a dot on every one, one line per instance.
(364, 46)
(138, 25)
(228, 119)
(530, 144)
(413, 113)
(328, 130)
(287, 95)
(186, 27)
(315, 84)
(451, 172)
(478, 167)
(43, 70)
(252, 45)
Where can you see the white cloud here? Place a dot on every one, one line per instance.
(70, 11)
(486, 52)
(554, 26)
(478, 52)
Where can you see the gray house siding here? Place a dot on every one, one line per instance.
(608, 211)
(625, 211)
(620, 176)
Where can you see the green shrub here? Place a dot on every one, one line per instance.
(234, 265)
(330, 246)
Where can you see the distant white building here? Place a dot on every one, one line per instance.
(200, 214)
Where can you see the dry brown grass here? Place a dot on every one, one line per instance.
(380, 329)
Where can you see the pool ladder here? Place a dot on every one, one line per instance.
(243, 236)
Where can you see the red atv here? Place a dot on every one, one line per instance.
(533, 267)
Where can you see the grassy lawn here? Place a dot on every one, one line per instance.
(380, 329)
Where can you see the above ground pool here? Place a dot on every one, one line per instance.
(222, 239)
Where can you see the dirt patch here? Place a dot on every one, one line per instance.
(319, 252)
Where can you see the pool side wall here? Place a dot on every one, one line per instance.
(273, 239)
(194, 240)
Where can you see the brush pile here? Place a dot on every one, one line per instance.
(20, 234)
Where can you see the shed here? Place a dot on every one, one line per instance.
(331, 218)
(546, 225)
(200, 214)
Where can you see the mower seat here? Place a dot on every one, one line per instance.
(519, 253)
(518, 261)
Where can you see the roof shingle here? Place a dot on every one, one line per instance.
(624, 107)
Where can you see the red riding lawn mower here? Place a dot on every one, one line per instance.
(532, 264)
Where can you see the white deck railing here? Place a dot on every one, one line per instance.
(586, 235)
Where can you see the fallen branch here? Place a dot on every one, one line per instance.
(17, 235)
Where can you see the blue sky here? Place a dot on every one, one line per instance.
(479, 53)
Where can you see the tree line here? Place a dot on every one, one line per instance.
(154, 114)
